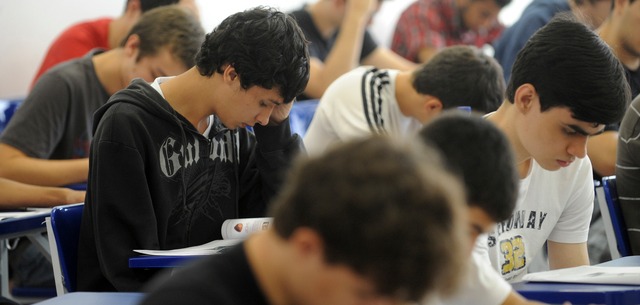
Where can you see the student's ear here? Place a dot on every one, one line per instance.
(430, 108)
(229, 74)
(433, 105)
(307, 243)
(525, 97)
(132, 45)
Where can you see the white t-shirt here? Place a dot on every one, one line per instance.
(553, 205)
(481, 285)
(357, 104)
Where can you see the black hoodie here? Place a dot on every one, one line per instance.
(145, 192)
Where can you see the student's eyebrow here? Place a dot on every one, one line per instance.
(275, 102)
(583, 132)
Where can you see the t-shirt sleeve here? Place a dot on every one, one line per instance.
(481, 285)
(368, 45)
(39, 123)
(339, 116)
(573, 224)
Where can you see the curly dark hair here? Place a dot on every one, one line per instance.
(265, 46)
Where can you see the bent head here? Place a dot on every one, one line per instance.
(566, 84)
(480, 15)
(472, 148)
(461, 76)
(266, 48)
(386, 219)
(163, 42)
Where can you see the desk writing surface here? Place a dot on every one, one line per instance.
(558, 293)
(95, 298)
(626, 261)
(153, 261)
(17, 223)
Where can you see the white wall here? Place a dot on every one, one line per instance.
(29, 26)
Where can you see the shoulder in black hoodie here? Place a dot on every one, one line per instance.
(155, 182)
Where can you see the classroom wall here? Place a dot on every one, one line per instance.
(27, 27)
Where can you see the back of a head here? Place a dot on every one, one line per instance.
(265, 46)
(388, 212)
(462, 76)
(480, 153)
(169, 26)
(570, 66)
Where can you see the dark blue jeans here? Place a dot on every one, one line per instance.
(28, 266)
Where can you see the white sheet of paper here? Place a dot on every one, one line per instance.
(212, 247)
(589, 274)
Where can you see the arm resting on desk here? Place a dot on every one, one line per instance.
(16, 194)
(564, 255)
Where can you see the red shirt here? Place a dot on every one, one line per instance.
(435, 24)
(75, 42)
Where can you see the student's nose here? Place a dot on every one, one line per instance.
(578, 147)
(264, 115)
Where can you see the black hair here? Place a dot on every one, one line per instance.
(266, 47)
(570, 66)
(462, 76)
(477, 151)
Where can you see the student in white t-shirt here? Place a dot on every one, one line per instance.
(566, 85)
(369, 100)
(480, 154)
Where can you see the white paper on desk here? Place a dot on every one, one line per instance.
(589, 274)
(27, 212)
(233, 231)
(212, 247)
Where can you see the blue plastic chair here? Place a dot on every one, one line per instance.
(65, 231)
(615, 215)
(301, 115)
(7, 109)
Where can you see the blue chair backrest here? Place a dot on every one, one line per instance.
(65, 222)
(619, 228)
(301, 115)
(7, 109)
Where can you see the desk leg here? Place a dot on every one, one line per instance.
(4, 268)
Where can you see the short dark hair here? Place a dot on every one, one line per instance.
(477, 151)
(168, 26)
(387, 212)
(265, 46)
(570, 66)
(147, 5)
(582, 2)
(462, 76)
(502, 3)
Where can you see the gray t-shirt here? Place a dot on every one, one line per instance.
(628, 173)
(55, 120)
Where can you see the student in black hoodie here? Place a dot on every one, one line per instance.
(171, 160)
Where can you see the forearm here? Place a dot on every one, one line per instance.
(426, 53)
(515, 298)
(268, 158)
(384, 58)
(45, 172)
(343, 57)
(16, 194)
